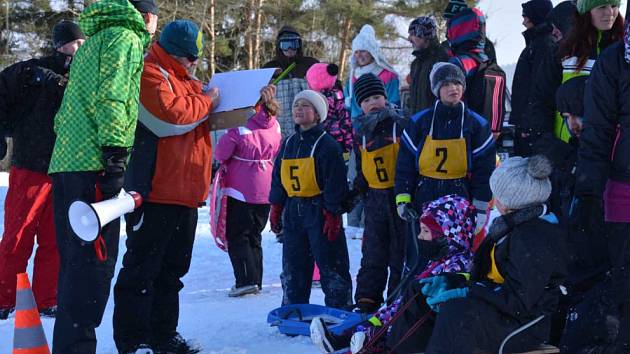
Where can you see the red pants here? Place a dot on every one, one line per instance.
(28, 211)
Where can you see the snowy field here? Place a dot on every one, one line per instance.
(215, 322)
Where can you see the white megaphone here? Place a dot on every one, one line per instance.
(87, 220)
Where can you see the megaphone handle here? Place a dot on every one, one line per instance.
(100, 248)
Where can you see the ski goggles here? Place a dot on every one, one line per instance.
(290, 43)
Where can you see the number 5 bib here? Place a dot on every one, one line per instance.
(298, 175)
(379, 166)
(444, 159)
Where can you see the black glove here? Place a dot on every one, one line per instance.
(115, 162)
(360, 184)
(3, 147)
(350, 200)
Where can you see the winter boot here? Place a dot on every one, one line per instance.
(325, 340)
(174, 344)
(4, 313)
(243, 290)
(141, 349)
(49, 312)
(357, 341)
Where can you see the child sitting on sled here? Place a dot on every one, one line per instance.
(447, 227)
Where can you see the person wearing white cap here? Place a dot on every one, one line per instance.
(308, 186)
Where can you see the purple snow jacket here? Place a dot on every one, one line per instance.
(248, 153)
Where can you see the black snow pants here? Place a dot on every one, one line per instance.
(305, 242)
(383, 246)
(245, 223)
(160, 241)
(84, 280)
(465, 325)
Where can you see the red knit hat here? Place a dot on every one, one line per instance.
(322, 76)
(432, 224)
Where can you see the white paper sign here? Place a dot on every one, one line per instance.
(239, 89)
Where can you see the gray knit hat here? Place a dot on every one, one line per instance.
(319, 102)
(442, 73)
(521, 182)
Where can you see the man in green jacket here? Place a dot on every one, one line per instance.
(95, 128)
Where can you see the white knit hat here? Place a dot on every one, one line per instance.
(522, 182)
(366, 40)
(319, 102)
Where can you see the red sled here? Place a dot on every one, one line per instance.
(218, 211)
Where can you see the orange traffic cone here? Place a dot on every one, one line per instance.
(28, 337)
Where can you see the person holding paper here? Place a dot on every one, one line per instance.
(308, 184)
(247, 154)
(170, 166)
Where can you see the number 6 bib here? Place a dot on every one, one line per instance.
(298, 175)
(444, 159)
(379, 166)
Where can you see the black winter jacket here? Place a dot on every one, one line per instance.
(377, 128)
(530, 255)
(281, 61)
(538, 43)
(420, 95)
(605, 140)
(30, 95)
(330, 169)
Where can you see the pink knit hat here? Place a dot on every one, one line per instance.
(322, 76)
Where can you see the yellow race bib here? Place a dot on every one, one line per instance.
(298, 175)
(379, 166)
(444, 159)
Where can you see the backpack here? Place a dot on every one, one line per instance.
(486, 94)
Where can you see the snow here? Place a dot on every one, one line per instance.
(217, 323)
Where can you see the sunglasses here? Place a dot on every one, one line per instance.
(192, 58)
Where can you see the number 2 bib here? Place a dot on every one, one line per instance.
(379, 166)
(298, 175)
(446, 158)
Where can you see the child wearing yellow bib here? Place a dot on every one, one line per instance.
(447, 149)
(307, 189)
(376, 146)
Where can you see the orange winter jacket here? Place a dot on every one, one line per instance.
(173, 108)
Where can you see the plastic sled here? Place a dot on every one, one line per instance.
(295, 320)
(218, 211)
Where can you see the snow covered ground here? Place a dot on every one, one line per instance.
(217, 323)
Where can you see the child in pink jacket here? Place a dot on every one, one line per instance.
(247, 153)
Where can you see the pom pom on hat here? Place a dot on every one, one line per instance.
(322, 76)
(522, 182)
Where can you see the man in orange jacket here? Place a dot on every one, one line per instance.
(170, 166)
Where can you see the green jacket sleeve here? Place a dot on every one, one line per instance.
(119, 89)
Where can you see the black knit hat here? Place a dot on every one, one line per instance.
(368, 85)
(537, 10)
(454, 7)
(145, 6)
(65, 32)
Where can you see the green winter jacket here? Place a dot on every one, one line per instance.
(100, 105)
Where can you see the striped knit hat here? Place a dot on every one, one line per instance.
(368, 85)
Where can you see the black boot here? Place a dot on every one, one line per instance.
(324, 339)
(4, 313)
(174, 344)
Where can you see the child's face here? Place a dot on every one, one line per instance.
(425, 233)
(304, 114)
(373, 103)
(363, 57)
(451, 93)
(574, 123)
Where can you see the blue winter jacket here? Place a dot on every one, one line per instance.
(480, 148)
